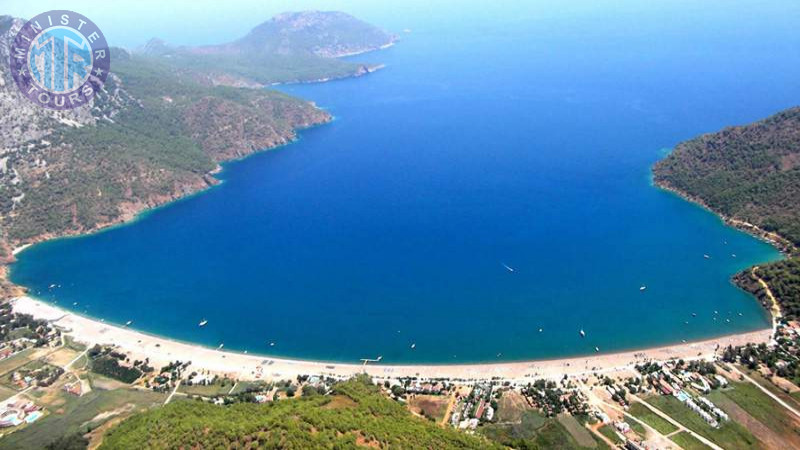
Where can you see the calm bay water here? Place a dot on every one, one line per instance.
(524, 142)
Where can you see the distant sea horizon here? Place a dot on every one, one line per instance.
(484, 198)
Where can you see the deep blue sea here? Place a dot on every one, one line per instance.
(508, 138)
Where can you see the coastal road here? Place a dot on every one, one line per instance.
(774, 307)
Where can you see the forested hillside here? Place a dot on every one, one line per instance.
(355, 414)
(749, 174)
(165, 118)
(783, 279)
(291, 47)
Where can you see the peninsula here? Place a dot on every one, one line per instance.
(689, 394)
(166, 119)
(170, 115)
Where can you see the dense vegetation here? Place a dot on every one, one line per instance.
(15, 325)
(750, 173)
(783, 279)
(106, 362)
(74, 441)
(290, 47)
(534, 431)
(159, 137)
(355, 413)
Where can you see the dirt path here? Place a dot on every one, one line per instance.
(775, 308)
(653, 437)
(595, 429)
(669, 419)
(177, 385)
(770, 438)
(581, 435)
(449, 409)
(767, 391)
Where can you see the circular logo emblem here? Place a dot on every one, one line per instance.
(60, 59)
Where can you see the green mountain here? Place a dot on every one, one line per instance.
(751, 175)
(356, 414)
(328, 34)
(164, 121)
(748, 173)
(290, 47)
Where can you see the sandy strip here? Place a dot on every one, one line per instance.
(17, 250)
(247, 367)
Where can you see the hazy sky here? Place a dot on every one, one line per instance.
(130, 24)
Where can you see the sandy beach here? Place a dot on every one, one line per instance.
(243, 366)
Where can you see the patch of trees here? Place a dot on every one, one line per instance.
(303, 422)
(106, 361)
(783, 279)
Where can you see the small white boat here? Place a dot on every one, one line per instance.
(220, 346)
(52, 286)
(413, 346)
(128, 323)
(272, 344)
(510, 269)
(202, 323)
(642, 288)
(380, 357)
(694, 314)
(597, 349)
(583, 334)
(733, 255)
(706, 257)
(540, 330)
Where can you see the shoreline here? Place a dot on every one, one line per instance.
(783, 245)
(242, 366)
(210, 178)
